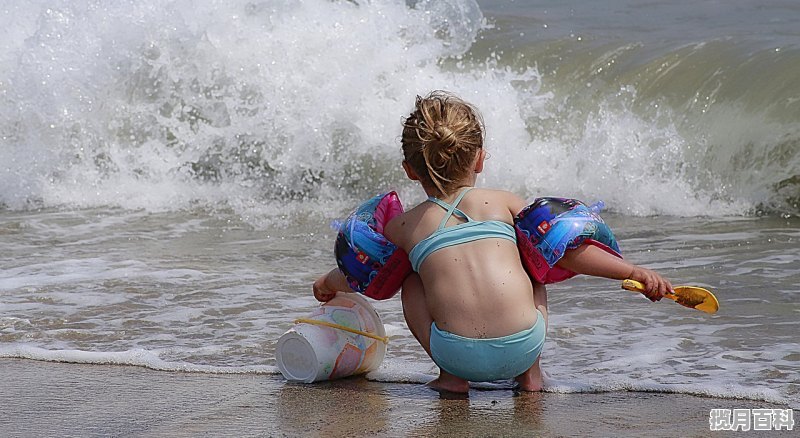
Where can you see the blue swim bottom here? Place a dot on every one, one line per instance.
(487, 359)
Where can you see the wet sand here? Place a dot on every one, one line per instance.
(54, 399)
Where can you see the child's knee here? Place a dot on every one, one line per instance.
(412, 286)
(543, 311)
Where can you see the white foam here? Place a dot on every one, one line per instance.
(397, 370)
(163, 106)
(621, 384)
(395, 329)
(135, 357)
(400, 371)
(91, 269)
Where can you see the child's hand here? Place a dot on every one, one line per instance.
(323, 292)
(325, 287)
(655, 286)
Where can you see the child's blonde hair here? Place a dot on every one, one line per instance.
(441, 139)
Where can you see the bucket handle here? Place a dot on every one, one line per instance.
(384, 339)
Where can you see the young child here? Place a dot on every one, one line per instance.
(469, 302)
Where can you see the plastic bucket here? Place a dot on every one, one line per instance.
(341, 338)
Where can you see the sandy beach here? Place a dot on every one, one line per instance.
(53, 399)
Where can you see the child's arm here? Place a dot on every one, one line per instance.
(591, 260)
(325, 287)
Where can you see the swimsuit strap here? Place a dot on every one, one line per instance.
(451, 208)
(468, 231)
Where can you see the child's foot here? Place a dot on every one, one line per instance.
(531, 380)
(529, 384)
(450, 383)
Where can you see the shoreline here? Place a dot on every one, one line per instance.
(61, 399)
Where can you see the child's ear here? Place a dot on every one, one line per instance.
(479, 160)
(410, 172)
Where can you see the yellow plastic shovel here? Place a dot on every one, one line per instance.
(688, 296)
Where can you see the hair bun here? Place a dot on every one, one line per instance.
(446, 137)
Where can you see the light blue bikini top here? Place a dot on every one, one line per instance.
(468, 231)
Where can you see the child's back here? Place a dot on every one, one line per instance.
(477, 288)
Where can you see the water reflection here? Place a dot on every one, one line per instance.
(346, 407)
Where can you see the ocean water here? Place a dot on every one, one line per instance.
(169, 171)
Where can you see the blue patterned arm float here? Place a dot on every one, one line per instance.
(549, 227)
